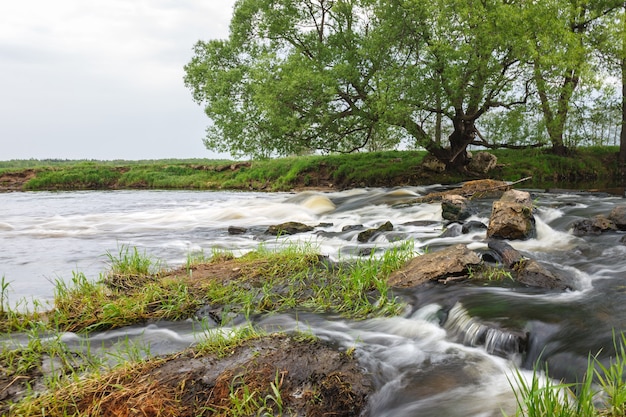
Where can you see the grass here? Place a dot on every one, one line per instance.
(600, 393)
(583, 166)
(368, 169)
(137, 289)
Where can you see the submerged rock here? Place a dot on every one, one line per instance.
(472, 226)
(368, 234)
(288, 228)
(594, 226)
(493, 338)
(512, 217)
(235, 230)
(452, 230)
(450, 263)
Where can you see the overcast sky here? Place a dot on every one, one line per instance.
(102, 79)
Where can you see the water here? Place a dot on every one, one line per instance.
(450, 353)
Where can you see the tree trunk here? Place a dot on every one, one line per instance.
(464, 134)
(622, 136)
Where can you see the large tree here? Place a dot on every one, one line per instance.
(335, 75)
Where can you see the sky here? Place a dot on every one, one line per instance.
(103, 79)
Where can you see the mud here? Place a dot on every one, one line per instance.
(275, 375)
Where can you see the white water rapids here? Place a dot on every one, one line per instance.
(420, 366)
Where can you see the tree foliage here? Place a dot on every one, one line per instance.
(342, 75)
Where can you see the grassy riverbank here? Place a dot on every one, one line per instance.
(136, 290)
(220, 292)
(587, 167)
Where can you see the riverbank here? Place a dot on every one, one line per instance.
(586, 168)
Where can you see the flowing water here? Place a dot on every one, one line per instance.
(451, 353)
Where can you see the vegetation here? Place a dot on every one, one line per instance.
(371, 169)
(136, 290)
(295, 76)
(600, 392)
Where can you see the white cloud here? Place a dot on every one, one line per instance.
(102, 79)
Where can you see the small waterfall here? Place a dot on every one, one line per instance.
(471, 332)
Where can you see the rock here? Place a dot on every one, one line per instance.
(533, 274)
(508, 255)
(473, 225)
(234, 230)
(431, 163)
(421, 223)
(484, 188)
(455, 207)
(618, 216)
(368, 234)
(452, 230)
(512, 217)
(623, 240)
(288, 228)
(594, 226)
(482, 162)
(451, 262)
(527, 271)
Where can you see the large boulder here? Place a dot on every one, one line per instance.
(482, 162)
(512, 217)
(450, 263)
(455, 207)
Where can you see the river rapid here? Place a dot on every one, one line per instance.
(420, 366)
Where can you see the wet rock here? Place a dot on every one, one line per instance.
(447, 264)
(352, 227)
(455, 207)
(472, 226)
(507, 255)
(421, 223)
(368, 234)
(618, 216)
(288, 228)
(482, 162)
(452, 230)
(234, 230)
(527, 271)
(623, 240)
(512, 217)
(594, 226)
(533, 274)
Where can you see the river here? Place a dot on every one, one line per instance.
(420, 367)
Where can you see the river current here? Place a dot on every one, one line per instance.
(421, 367)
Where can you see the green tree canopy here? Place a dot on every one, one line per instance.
(343, 75)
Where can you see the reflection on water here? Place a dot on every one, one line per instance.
(443, 356)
